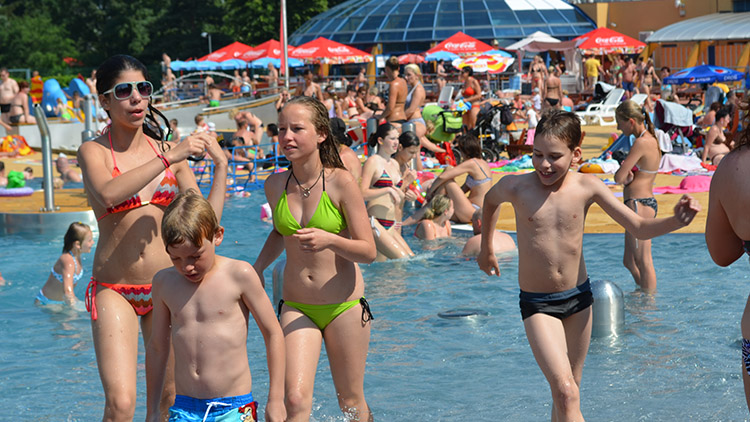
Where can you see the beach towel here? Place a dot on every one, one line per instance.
(672, 162)
(689, 184)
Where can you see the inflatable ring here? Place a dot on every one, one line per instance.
(591, 168)
(25, 191)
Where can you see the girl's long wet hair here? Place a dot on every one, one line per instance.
(107, 74)
(328, 149)
(381, 133)
(631, 110)
(77, 232)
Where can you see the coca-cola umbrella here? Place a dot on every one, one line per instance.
(461, 44)
(606, 41)
(323, 50)
(270, 48)
(492, 63)
(231, 51)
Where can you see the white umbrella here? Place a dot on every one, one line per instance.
(536, 36)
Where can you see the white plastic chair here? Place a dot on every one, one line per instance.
(600, 112)
(639, 99)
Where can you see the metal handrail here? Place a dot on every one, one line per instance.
(49, 191)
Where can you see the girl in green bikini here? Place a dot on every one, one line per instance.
(321, 221)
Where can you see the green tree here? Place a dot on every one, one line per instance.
(33, 41)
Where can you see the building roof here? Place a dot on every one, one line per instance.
(714, 27)
(363, 23)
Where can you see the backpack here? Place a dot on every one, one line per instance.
(506, 116)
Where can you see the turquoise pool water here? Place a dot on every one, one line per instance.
(678, 358)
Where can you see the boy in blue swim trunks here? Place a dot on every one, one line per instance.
(202, 304)
(550, 206)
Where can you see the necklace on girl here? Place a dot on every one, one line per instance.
(306, 191)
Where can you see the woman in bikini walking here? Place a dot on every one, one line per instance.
(319, 218)
(130, 175)
(637, 173)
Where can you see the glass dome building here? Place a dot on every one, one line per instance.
(410, 26)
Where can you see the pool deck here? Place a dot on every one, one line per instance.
(74, 200)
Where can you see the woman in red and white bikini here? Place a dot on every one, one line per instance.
(130, 175)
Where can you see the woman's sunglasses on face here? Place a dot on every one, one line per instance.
(123, 91)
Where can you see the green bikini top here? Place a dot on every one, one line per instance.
(326, 217)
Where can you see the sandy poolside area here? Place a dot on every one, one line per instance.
(596, 222)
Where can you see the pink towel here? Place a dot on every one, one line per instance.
(530, 136)
(688, 185)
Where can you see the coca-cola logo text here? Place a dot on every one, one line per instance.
(613, 40)
(466, 45)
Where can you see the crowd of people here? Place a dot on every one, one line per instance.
(330, 213)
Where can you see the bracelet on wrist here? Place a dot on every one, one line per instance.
(164, 161)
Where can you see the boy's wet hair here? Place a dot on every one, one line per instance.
(562, 125)
(189, 218)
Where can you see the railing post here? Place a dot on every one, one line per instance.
(89, 107)
(49, 189)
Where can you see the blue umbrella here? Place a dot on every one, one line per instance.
(232, 64)
(263, 62)
(440, 55)
(178, 65)
(703, 74)
(206, 65)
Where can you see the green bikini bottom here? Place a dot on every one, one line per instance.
(322, 315)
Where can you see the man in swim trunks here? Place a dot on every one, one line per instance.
(628, 77)
(272, 78)
(214, 96)
(8, 90)
(552, 91)
(312, 89)
(202, 306)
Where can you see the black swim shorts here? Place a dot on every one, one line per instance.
(559, 304)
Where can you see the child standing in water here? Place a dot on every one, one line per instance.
(68, 269)
(202, 304)
(550, 206)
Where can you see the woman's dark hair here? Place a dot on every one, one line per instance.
(562, 125)
(722, 113)
(273, 128)
(715, 106)
(469, 145)
(468, 70)
(22, 85)
(392, 63)
(338, 130)
(107, 74)
(408, 139)
(329, 152)
(382, 132)
(76, 233)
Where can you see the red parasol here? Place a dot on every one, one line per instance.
(606, 41)
(323, 50)
(231, 51)
(271, 48)
(410, 58)
(461, 44)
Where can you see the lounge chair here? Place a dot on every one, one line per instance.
(598, 113)
(639, 99)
